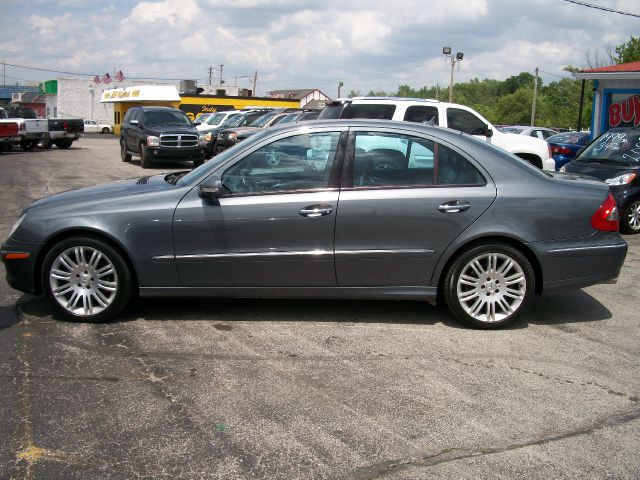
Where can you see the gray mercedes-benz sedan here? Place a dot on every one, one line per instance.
(338, 209)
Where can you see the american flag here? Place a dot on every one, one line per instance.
(119, 76)
(96, 79)
(106, 78)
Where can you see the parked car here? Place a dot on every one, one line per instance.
(229, 136)
(216, 119)
(316, 210)
(201, 117)
(62, 132)
(9, 134)
(538, 132)
(615, 158)
(91, 126)
(450, 115)
(242, 119)
(157, 133)
(564, 146)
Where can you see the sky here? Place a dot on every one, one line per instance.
(366, 44)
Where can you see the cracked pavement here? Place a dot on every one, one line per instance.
(309, 389)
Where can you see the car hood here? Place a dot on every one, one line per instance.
(119, 188)
(602, 171)
(171, 129)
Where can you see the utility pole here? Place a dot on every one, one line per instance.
(4, 71)
(255, 82)
(446, 51)
(535, 94)
(210, 74)
(340, 85)
(221, 80)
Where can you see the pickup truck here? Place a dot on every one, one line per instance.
(450, 115)
(9, 134)
(62, 132)
(31, 128)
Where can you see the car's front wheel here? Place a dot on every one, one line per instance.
(630, 221)
(86, 279)
(145, 157)
(124, 155)
(488, 286)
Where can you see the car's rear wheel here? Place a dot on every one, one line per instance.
(86, 279)
(630, 221)
(126, 157)
(63, 144)
(488, 286)
(27, 145)
(105, 130)
(145, 159)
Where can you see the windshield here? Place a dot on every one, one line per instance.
(570, 138)
(262, 121)
(236, 121)
(330, 111)
(215, 119)
(292, 117)
(618, 145)
(159, 117)
(512, 130)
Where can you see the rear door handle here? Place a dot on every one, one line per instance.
(454, 206)
(316, 210)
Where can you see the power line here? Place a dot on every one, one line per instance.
(605, 9)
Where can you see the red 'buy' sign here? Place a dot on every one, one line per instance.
(625, 113)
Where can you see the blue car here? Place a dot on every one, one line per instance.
(615, 158)
(565, 145)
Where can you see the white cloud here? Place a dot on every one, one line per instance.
(48, 25)
(171, 11)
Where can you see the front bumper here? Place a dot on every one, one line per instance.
(163, 152)
(21, 272)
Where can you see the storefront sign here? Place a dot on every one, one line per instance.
(625, 113)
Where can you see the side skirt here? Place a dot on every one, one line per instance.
(363, 293)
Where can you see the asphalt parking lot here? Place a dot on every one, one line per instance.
(226, 389)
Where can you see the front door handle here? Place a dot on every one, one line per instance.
(454, 206)
(316, 210)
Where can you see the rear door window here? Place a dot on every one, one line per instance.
(422, 114)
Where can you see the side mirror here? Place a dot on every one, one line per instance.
(210, 188)
(488, 131)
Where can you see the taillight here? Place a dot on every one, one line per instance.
(65, 125)
(560, 150)
(606, 217)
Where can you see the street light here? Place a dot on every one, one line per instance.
(446, 51)
(340, 84)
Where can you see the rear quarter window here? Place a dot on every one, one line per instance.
(381, 112)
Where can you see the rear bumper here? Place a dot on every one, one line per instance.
(577, 263)
(63, 136)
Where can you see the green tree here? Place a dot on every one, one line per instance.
(628, 51)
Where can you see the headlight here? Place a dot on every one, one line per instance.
(153, 141)
(621, 179)
(202, 140)
(563, 168)
(16, 225)
(207, 137)
(233, 136)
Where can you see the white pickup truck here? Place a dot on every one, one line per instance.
(31, 129)
(449, 115)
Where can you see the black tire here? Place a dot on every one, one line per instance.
(45, 143)
(630, 218)
(126, 157)
(28, 145)
(90, 281)
(3, 147)
(509, 287)
(63, 144)
(105, 130)
(145, 158)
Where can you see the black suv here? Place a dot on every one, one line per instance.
(156, 133)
